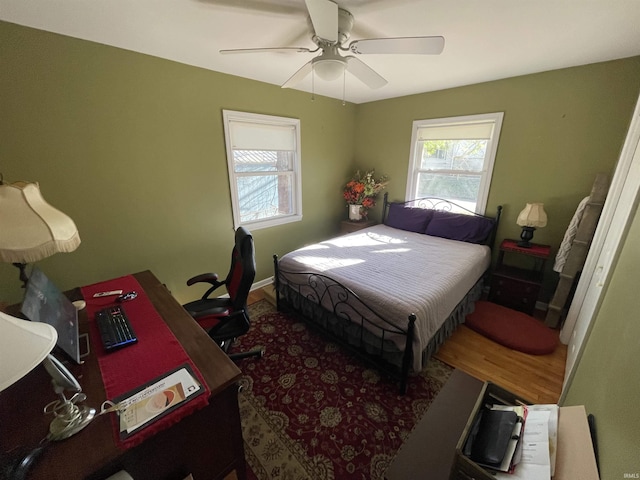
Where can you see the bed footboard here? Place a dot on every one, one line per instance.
(337, 311)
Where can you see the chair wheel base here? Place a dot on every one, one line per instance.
(252, 353)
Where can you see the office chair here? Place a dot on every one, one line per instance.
(226, 319)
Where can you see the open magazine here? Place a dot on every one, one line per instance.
(152, 401)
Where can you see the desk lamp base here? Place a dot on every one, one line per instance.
(65, 426)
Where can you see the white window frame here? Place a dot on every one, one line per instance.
(295, 174)
(467, 120)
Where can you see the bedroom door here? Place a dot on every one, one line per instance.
(603, 253)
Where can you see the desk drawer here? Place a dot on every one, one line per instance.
(464, 468)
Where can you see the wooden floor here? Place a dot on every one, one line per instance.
(256, 296)
(537, 378)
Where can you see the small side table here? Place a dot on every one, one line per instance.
(518, 286)
(348, 226)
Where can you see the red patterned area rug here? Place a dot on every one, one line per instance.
(311, 410)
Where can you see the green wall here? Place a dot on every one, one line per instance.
(132, 148)
(607, 380)
(560, 129)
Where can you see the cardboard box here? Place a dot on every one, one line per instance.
(463, 467)
(575, 457)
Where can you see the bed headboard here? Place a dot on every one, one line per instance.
(440, 204)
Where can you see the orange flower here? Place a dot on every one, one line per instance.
(363, 189)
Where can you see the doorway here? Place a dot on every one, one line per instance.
(614, 222)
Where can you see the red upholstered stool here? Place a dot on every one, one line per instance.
(512, 329)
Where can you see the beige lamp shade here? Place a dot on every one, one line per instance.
(533, 215)
(23, 345)
(30, 228)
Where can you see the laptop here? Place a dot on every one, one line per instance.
(44, 302)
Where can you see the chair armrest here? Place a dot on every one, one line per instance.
(211, 278)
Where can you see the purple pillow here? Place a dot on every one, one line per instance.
(406, 218)
(458, 226)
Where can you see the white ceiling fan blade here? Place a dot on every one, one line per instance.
(298, 76)
(402, 45)
(284, 7)
(273, 49)
(324, 16)
(364, 73)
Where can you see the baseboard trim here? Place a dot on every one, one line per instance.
(255, 286)
(262, 283)
(542, 306)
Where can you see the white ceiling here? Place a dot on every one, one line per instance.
(485, 39)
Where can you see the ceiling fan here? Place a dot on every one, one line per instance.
(331, 26)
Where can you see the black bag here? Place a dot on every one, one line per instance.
(489, 437)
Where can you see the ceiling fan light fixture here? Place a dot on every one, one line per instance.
(329, 69)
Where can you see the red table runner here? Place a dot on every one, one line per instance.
(157, 352)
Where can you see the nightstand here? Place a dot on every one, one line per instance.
(518, 287)
(347, 226)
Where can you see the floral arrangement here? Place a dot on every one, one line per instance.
(362, 189)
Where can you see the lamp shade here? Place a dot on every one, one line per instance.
(329, 68)
(30, 228)
(23, 345)
(533, 215)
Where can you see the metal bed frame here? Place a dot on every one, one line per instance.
(338, 312)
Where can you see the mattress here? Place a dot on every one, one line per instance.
(396, 273)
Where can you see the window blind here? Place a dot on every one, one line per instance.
(474, 131)
(255, 136)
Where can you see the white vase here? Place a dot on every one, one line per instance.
(355, 214)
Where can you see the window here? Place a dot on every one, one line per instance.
(452, 158)
(263, 156)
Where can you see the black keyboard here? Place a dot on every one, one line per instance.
(115, 329)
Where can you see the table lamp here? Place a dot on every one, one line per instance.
(533, 216)
(23, 346)
(31, 228)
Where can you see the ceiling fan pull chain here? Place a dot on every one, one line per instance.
(313, 85)
(344, 86)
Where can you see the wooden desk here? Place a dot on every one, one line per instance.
(207, 444)
(429, 450)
